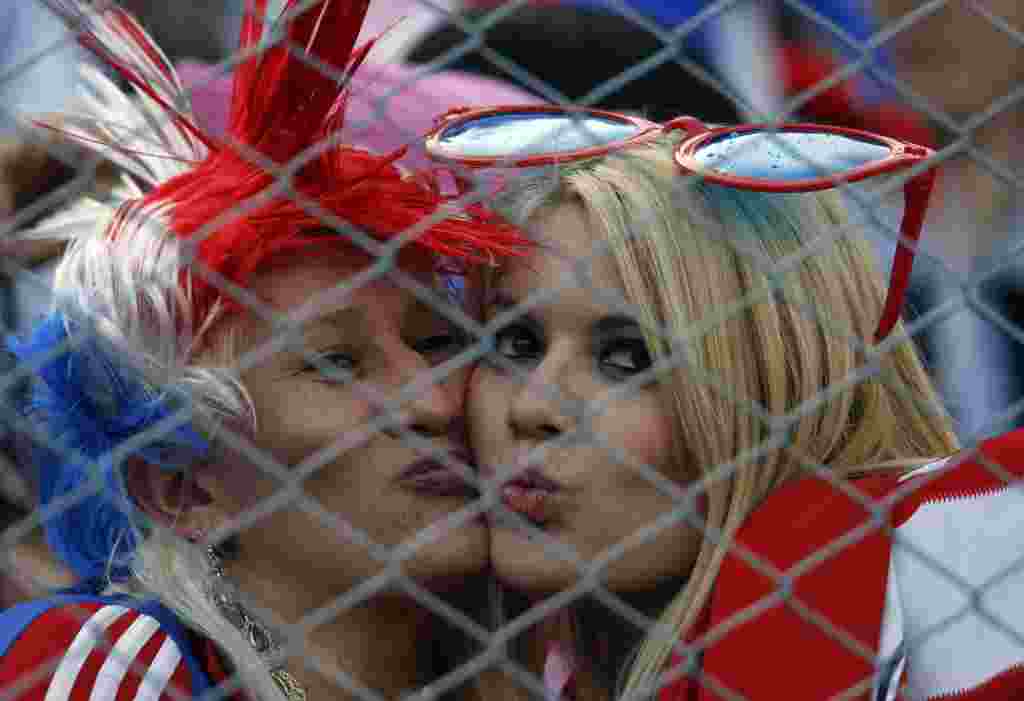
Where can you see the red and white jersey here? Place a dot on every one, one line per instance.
(88, 648)
(884, 588)
(953, 624)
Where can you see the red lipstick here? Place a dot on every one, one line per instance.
(531, 495)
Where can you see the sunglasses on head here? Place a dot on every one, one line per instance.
(766, 158)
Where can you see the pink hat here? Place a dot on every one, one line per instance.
(392, 105)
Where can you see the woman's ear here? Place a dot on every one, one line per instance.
(186, 501)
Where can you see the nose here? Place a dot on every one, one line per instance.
(435, 402)
(540, 409)
(437, 410)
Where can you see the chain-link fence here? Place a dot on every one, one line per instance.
(651, 449)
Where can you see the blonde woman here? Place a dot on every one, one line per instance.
(684, 412)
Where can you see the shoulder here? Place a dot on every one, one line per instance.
(799, 518)
(808, 566)
(979, 489)
(887, 579)
(96, 648)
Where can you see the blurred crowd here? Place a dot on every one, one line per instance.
(946, 75)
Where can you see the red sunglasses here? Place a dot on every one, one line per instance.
(761, 157)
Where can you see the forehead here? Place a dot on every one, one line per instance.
(572, 254)
(326, 282)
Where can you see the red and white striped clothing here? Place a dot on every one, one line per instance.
(99, 651)
(926, 602)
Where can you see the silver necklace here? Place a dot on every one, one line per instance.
(260, 637)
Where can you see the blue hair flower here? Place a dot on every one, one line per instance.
(88, 400)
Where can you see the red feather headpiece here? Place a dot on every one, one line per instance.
(288, 106)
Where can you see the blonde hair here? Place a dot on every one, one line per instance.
(771, 301)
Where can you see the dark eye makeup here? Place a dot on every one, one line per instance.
(519, 343)
(624, 357)
(331, 365)
(618, 347)
(340, 364)
(439, 347)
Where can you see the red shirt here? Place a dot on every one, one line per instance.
(836, 605)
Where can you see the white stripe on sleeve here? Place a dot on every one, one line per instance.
(121, 657)
(160, 672)
(91, 633)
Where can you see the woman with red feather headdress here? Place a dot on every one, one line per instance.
(248, 397)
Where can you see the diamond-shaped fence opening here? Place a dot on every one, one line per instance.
(618, 462)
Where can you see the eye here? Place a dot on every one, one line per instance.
(333, 366)
(624, 358)
(518, 343)
(441, 346)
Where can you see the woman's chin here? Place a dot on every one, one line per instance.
(524, 562)
(462, 552)
(527, 564)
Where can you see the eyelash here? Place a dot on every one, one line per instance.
(325, 367)
(639, 355)
(516, 333)
(453, 342)
(443, 344)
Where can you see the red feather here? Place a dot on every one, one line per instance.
(125, 25)
(288, 103)
(298, 80)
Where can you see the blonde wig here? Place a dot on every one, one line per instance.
(761, 307)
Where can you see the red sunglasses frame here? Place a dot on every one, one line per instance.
(902, 156)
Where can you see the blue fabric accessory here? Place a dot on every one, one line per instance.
(87, 401)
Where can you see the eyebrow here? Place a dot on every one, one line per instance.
(500, 298)
(419, 306)
(342, 319)
(346, 318)
(614, 323)
(606, 325)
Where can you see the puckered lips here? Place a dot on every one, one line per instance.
(531, 494)
(432, 477)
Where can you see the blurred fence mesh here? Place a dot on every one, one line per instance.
(25, 290)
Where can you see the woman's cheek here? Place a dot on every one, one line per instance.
(301, 420)
(643, 433)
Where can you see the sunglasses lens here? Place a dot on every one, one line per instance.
(789, 155)
(526, 134)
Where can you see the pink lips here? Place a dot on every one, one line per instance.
(429, 476)
(530, 495)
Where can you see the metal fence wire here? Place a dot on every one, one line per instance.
(487, 622)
